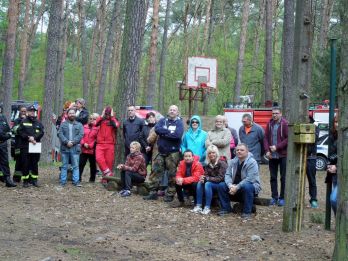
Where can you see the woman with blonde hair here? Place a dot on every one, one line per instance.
(220, 136)
(214, 174)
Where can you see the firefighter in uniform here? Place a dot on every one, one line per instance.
(15, 151)
(5, 134)
(30, 130)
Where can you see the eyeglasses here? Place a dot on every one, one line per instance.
(195, 122)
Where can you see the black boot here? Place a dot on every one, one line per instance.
(26, 184)
(35, 183)
(9, 182)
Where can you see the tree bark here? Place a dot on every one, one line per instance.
(151, 86)
(298, 114)
(23, 50)
(268, 53)
(107, 56)
(163, 57)
(51, 73)
(9, 57)
(241, 52)
(341, 246)
(133, 35)
(84, 51)
(287, 53)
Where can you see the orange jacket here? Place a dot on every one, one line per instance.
(196, 171)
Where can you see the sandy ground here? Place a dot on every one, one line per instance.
(91, 223)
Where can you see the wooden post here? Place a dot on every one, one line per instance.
(298, 112)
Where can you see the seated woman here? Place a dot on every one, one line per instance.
(214, 173)
(188, 174)
(134, 169)
(242, 182)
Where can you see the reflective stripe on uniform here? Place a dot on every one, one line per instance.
(27, 124)
(34, 176)
(25, 177)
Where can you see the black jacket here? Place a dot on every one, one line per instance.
(144, 134)
(29, 127)
(4, 130)
(132, 130)
(83, 116)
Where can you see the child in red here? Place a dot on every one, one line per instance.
(134, 170)
(106, 140)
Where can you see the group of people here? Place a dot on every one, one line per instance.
(218, 160)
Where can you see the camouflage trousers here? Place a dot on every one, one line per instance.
(160, 164)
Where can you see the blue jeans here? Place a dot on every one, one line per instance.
(207, 189)
(74, 160)
(245, 195)
(333, 196)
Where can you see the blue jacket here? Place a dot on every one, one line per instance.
(77, 135)
(169, 135)
(249, 173)
(254, 140)
(195, 140)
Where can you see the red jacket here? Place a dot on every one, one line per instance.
(107, 130)
(89, 137)
(196, 171)
(135, 162)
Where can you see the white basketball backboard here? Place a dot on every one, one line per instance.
(201, 69)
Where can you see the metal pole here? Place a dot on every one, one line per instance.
(331, 117)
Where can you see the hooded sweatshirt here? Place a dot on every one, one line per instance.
(195, 140)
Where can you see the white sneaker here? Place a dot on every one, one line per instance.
(206, 211)
(197, 209)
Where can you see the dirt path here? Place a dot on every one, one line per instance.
(89, 223)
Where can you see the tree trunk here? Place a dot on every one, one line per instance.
(287, 53)
(298, 114)
(23, 50)
(9, 57)
(84, 51)
(133, 34)
(341, 246)
(258, 32)
(51, 73)
(151, 86)
(268, 53)
(241, 52)
(61, 59)
(326, 11)
(163, 57)
(107, 56)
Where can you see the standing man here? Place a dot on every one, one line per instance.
(169, 130)
(81, 111)
(17, 175)
(252, 135)
(30, 130)
(70, 134)
(132, 127)
(5, 134)
(275, 145)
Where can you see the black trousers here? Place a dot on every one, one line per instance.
(189, 189)
(92, 165)
(29, 162)
(274, 164)
(311, 173)
(127, 177)
(4, 165)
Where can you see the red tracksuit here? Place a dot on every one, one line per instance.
(106, 140)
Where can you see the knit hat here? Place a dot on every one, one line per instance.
(81, 100)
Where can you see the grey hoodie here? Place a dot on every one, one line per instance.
(250, 172)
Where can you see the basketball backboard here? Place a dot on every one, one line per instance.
(201, 70)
